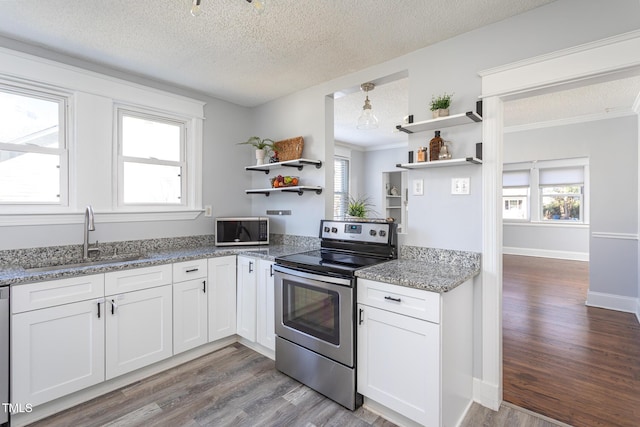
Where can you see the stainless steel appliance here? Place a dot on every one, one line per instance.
(241, 231)
(315, 305)
(4, 353)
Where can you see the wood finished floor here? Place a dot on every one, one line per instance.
(573, 363)
(236, 386)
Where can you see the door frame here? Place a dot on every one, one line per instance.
(604, 60)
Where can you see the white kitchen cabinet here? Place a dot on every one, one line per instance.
(117, 282)
(190, 289)
(138, 329)
(221, 296)
(398, 358)
(57, 349)
(247, 294)
(415, 351)
(265, 305)
(189, 314)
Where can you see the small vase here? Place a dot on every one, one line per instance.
(260, 155)
(442, 112)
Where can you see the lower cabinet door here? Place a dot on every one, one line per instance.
(265, 306)
(189, 314)
(138, 329)
(221, 295)
(399, 363)
(56, 351)
(246, 294)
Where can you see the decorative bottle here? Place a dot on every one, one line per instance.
(422, 154)
(434, 147)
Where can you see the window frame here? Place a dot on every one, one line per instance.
(64, 151)
(186, 183)
(579, 195)
(536, 214)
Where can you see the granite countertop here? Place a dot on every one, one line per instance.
(434, 276)
(19, 275)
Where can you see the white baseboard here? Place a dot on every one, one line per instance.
(545, 253)
(487, 395)
(614, 302)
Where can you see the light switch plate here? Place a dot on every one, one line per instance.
(207, 210)
(460, 185)
(418, 187)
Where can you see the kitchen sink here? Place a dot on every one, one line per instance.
(105, 261)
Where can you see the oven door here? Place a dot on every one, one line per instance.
(316, 312)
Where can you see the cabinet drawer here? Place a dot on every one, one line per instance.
(34, 296)
(188, 270)
(399, 299)
(117, 282)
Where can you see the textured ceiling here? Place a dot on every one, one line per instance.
(232, 53)
(595, 100)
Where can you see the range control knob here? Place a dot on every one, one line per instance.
(327, 229)
(372, 232)
(382, 233)
(334, 229)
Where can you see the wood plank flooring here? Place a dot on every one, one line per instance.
(236, 386)
(562, 359)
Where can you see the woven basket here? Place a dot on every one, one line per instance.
(289, 149)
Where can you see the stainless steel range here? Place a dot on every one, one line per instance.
(316, 305)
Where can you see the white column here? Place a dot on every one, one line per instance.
(489, 391)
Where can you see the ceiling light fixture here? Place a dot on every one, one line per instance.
(195, 8)
(367, 119)
(258, 6)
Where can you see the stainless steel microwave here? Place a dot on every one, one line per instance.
(242, 231)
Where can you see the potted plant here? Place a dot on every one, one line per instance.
(359, 207)
(440, 105)
(262, 146)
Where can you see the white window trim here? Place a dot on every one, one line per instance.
(119, 160)
(65, 151)
(535, 194)
(83, 84)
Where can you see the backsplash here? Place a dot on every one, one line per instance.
(445, 256)
(54, 255)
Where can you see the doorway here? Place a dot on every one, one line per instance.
(553, 343)
(600, 61)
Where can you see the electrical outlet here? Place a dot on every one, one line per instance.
(207, 210)
(418, 187)
(460, 185)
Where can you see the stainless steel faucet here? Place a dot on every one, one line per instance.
(88, 226)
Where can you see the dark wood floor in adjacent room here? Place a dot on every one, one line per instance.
(573, 363)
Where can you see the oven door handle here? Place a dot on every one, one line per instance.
(310, 276)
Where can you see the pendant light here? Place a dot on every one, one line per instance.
(367, 119)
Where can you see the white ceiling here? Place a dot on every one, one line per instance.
(230, 52)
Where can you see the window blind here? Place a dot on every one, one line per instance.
(340, 187)
(557, 176)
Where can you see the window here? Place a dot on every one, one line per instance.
(340, 187)
(561, 191)
(33, 147)
(515, 194)
(546, 191)
(151, 159)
